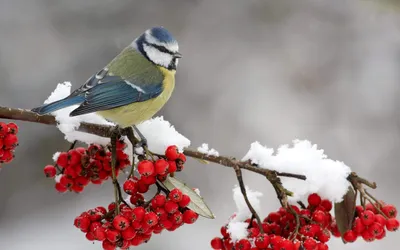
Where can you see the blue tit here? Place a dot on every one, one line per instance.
(133, 87)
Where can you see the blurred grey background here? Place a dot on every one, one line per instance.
(262, 70)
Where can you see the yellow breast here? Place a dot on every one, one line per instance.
(138, 112)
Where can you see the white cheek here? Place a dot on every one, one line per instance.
(157, 56)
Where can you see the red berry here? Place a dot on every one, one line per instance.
(310, 244)
(367, 217)
(62, 160)
(146, 168)
(224, 232)
(66, 182)
(370, 207)
(171, 207)
(50, 171)
(107, 245)
(129, 186)
(76, 188)
(158, 201)
(4, 129)
(273, 217)
(81, 181)
(161, 213)
(323, 236)
(322, 246)
(182, 157)
(185, 201)
(335, 230)
(136, 199)
(172, 153)
(82, 223)
(392, 224)
(376, 229)
(10, 140)
(13, 128)
(368, 236)
(327, 204)
(319, 216)
(100, 234)
(161, 167)
(243, 244)
(177, 218)
(286, 245)
(253, 232)
(90, 236)
(349, 236)
(166, 224)
(142, 187)
(113, 235)
(128, 234)
(190, 217)
(314, 199)
(61, 188)
(148, 180)
(172, 166)
(262, 241)
(390, 211)
(175, 195)
(216, 243)
(120, 223)
(381, 236)
(358, 226)
(380, 219)
(139, 213)
(151, 219)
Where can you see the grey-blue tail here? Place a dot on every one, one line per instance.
(54, 106)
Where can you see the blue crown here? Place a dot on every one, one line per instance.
(162, 35)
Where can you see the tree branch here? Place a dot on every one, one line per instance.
(107, 131)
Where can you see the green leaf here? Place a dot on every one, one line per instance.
(344, 211)
(196, 204)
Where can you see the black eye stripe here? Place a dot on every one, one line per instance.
(160, 48)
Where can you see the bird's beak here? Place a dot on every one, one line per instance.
(177, 55)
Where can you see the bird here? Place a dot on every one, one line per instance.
(133, 87)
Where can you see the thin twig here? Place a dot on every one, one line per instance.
(113, 172)
(239, 176)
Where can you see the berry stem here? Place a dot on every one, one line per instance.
(301, 204)
(72, 145)
(239, 176)
(293, 235)
(113, 164)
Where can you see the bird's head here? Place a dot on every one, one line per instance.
(160, 47)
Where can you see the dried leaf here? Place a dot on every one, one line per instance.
(196, 204)
(344, 211)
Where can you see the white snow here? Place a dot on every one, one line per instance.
(243, 211)
(159, 133)
(56, 155)
(205, 150)
(57, 178)
(324, 176)
(237, 228)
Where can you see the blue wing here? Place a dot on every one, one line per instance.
(114, 92)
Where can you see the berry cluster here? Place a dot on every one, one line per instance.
(282, 232)
(80, 166)
(370, 223)
(151, 171)
(132, 226)
(8, 141)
